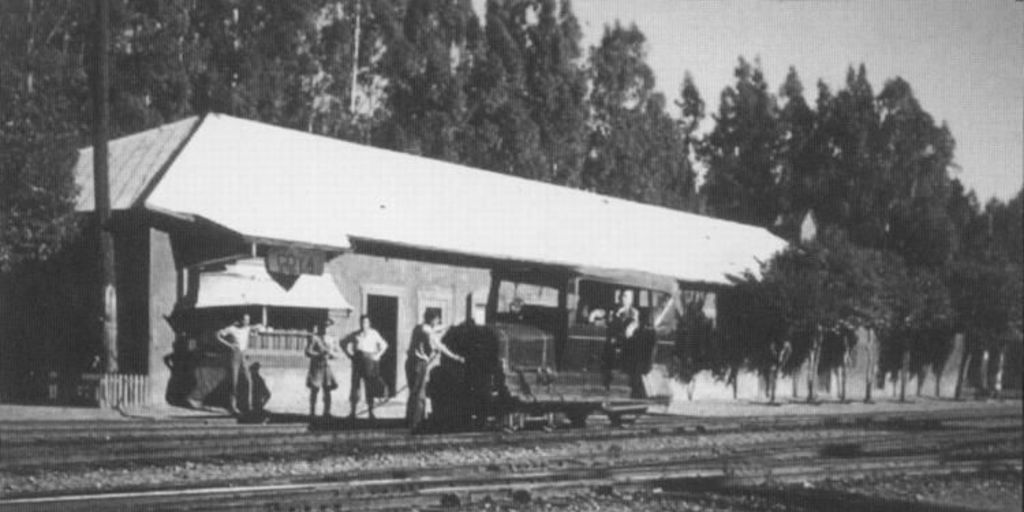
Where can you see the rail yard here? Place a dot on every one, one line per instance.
(659, 462)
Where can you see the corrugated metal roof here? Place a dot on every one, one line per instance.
(271, 182)
(134, 161)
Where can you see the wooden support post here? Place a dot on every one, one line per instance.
(562, 329)
(492, 296)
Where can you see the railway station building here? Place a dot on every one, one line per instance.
(216, 216)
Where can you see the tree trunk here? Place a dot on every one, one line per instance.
(904, 373)
(848, 347)
(812, 368)
(983, 371)
(29, 77)
(355, 61)
(776, 374)
(735, 383)
(938, 380)
(842, 383)
(869, 367)
(920, 381)
(796, 384)
(1000, 366)
(961, 374)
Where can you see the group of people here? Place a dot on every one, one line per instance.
(364, 347)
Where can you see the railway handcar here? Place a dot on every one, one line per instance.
(546, 350)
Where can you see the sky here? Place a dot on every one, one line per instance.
(964, 59)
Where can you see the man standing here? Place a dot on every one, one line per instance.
(425, 344)
(318, 350)
(627, 318)
(236, 338)
(622, 325)
(368, 347)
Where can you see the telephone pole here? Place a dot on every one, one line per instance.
(101, 185)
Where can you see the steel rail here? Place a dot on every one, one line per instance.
(40, 451)
(727, 451)
(367, 494)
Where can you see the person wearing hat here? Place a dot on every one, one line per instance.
(319, 352)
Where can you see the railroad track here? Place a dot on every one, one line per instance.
(782, 460)
(29, 446)
(725, 448)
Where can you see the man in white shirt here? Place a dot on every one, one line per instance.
(236, 338)
(367, 348)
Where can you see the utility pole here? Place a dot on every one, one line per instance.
(101, 184)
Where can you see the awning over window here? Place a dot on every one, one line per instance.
(247, 283)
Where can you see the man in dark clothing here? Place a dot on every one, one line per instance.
(319, 351)
(622, 325)
(425, 345)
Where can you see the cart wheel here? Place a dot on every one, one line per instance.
(578, 419)
(513, 422)
(507, 424)
(615, 419)
(549, 422)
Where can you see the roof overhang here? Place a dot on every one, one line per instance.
(247, 283)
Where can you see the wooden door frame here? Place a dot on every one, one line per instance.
(401, 337)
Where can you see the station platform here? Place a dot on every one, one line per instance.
(393, 409)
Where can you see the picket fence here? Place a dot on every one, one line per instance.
(122, 390)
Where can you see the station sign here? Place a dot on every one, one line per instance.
(293, 262)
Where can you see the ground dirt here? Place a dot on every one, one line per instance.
(953, 493)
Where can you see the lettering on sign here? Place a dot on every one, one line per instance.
(294, 262)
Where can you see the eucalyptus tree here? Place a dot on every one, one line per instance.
(744, 151)
(636, 150)
(42, 89)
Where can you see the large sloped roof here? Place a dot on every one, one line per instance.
(135, 161)
(270, 182)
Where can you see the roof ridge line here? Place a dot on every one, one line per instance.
(164, 167)
(465, 167)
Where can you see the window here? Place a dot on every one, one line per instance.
(529, 304)
(597, 299)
